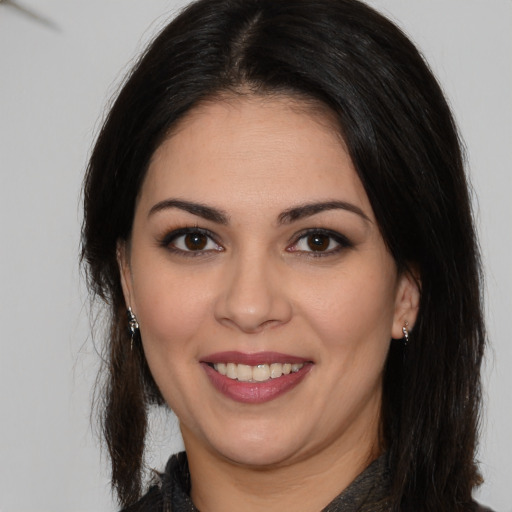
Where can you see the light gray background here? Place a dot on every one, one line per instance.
(54, 86)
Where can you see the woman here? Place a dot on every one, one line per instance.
(277, 215)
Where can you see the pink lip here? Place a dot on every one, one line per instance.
(254, 392)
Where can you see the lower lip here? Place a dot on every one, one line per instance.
(255, 392)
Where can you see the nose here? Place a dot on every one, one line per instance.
(253, 295)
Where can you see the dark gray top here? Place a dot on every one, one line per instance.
(367, 493)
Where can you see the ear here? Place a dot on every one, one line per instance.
(125, 273)
(407, 302)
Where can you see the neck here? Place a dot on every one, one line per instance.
(307, 485)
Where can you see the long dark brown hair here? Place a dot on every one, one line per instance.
(404, 145)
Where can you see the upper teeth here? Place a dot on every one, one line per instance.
(259, 373)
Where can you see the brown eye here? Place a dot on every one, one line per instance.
(190, 241)
(195, 241)
(318, 242)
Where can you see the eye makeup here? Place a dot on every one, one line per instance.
(190, 242)
(194, 241)
(319, 242)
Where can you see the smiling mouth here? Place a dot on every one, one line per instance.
(257, 373)
(255, 378)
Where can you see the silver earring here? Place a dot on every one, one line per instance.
(133, 325)
(406, 333)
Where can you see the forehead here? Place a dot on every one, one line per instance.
(252, 148)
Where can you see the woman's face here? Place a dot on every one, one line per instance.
(265, 294)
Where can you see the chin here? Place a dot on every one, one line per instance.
(258, 458)
(259, 449)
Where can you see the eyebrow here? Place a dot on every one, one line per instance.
(306, 210)
(201, 210)
(286, 217)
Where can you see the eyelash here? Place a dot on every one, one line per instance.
(170, 238)
(342, 242)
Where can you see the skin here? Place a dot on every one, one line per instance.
(257, 285)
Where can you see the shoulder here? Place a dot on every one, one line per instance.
(169, 491)
(152, 501)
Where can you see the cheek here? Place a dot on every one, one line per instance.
(170, 307)
(171, 310)
(352, 309)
